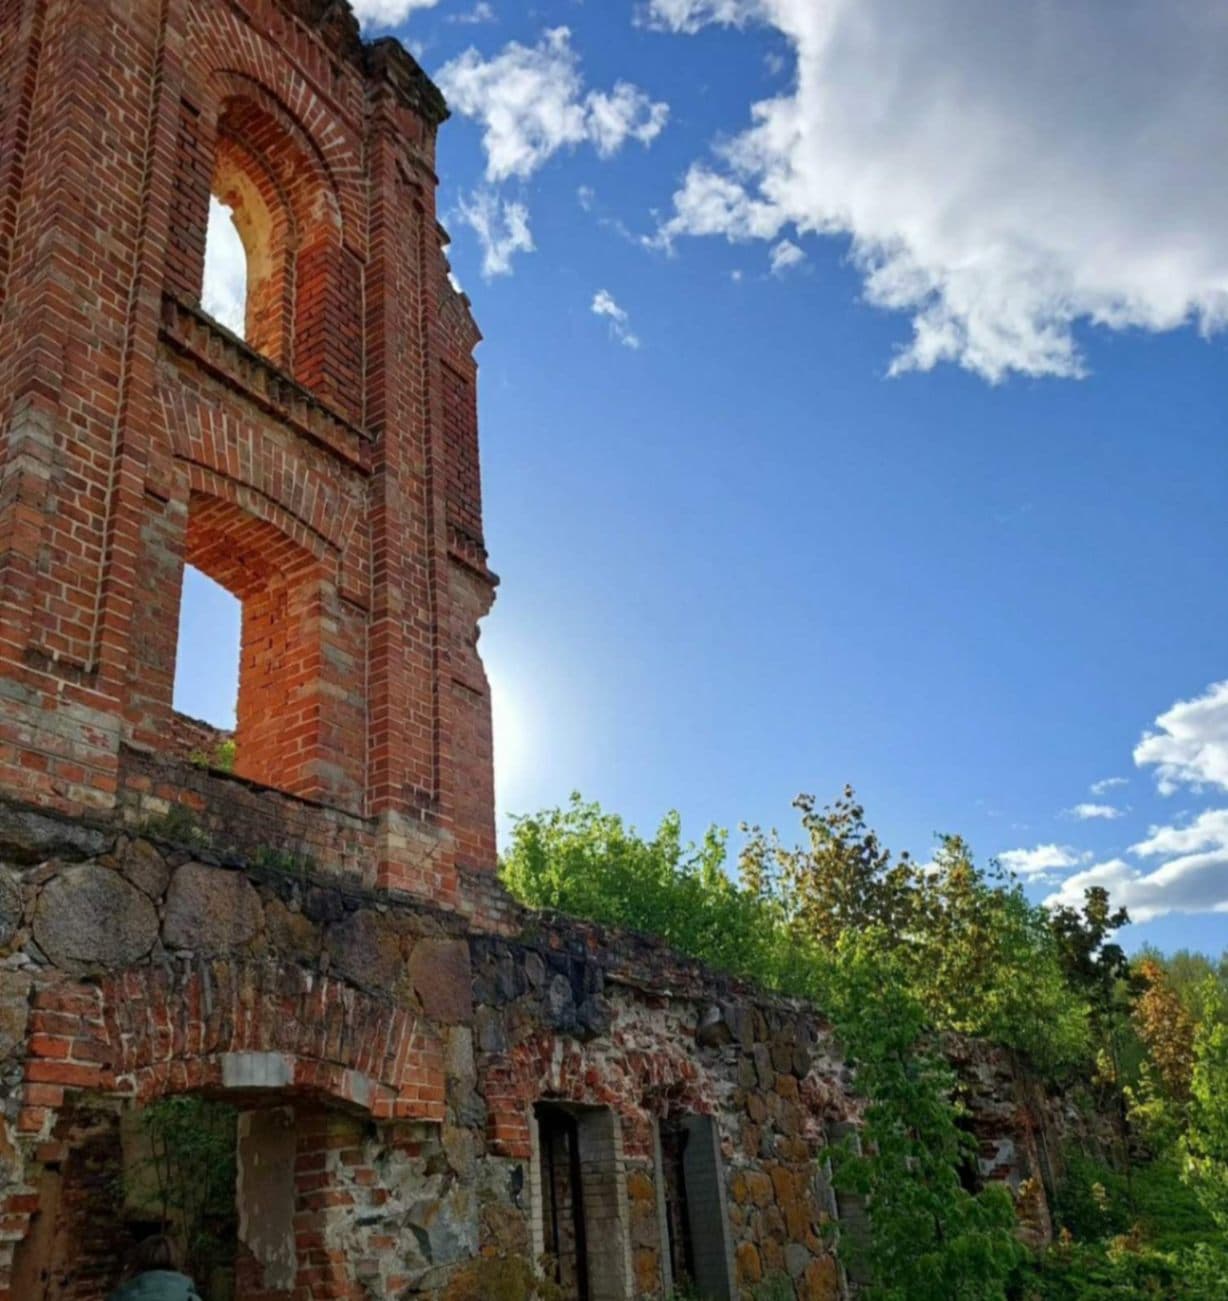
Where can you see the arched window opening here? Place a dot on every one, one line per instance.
(224, 295)
(303, 292)
(207, 666)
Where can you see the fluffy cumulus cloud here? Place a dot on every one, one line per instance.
(224, 294)
(1004, 172)
(1040, 861)
(605, 305)
(1189, 743)
(531, 102)
(387, 13)
(501, 226)
(1193, 876)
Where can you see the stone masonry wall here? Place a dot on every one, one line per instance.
(411, 1052)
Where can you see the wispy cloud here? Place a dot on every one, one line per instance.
(1092, 812)
(785, 257)
(604, 305)
(502, 228)
(482, 12)
(1107, 784)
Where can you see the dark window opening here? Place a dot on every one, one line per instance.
(692, 1191)
(563, 1199)
(674, 1140)
(583, 1210)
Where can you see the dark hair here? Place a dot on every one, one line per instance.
(157, 1252)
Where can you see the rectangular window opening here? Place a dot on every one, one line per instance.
(693, 1210)
(582, 1202)
(206, 692)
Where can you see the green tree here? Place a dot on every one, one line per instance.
(930, 1238)
(983, 961)
(841, 880)
(1205, 1142)
(187, 1177)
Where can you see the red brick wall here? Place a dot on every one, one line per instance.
(344, 436)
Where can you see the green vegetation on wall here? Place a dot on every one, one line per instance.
(894, 951)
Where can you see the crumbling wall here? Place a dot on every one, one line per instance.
(411, 1051)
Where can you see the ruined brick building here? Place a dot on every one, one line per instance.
(421, 1073)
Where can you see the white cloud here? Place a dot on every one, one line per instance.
(1189, 745)
(224, 295)
(691, 15)
(1191, 883)
(1090, 812)
(502, 228)
(1042, 859)
(620, 322)
(1107, 784)
(1208, 831)
(785, 256)
(1192, 879)
(1005, 171)
(482, 12)
(387, 13)
(532, 103)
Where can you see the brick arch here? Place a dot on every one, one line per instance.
(282, 533)
(287, 484)
(550, 1068)
(207, 1026)
(226, 52)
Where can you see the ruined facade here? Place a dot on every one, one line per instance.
(423, 1076)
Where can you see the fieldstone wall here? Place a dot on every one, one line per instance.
(134, 966)
(409, 1051)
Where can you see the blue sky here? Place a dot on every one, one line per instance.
(875, 434)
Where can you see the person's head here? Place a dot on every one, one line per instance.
(157, 1252)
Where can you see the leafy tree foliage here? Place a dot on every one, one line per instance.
(930, 1237)
(893, 951)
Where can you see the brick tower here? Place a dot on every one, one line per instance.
(325, 471)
